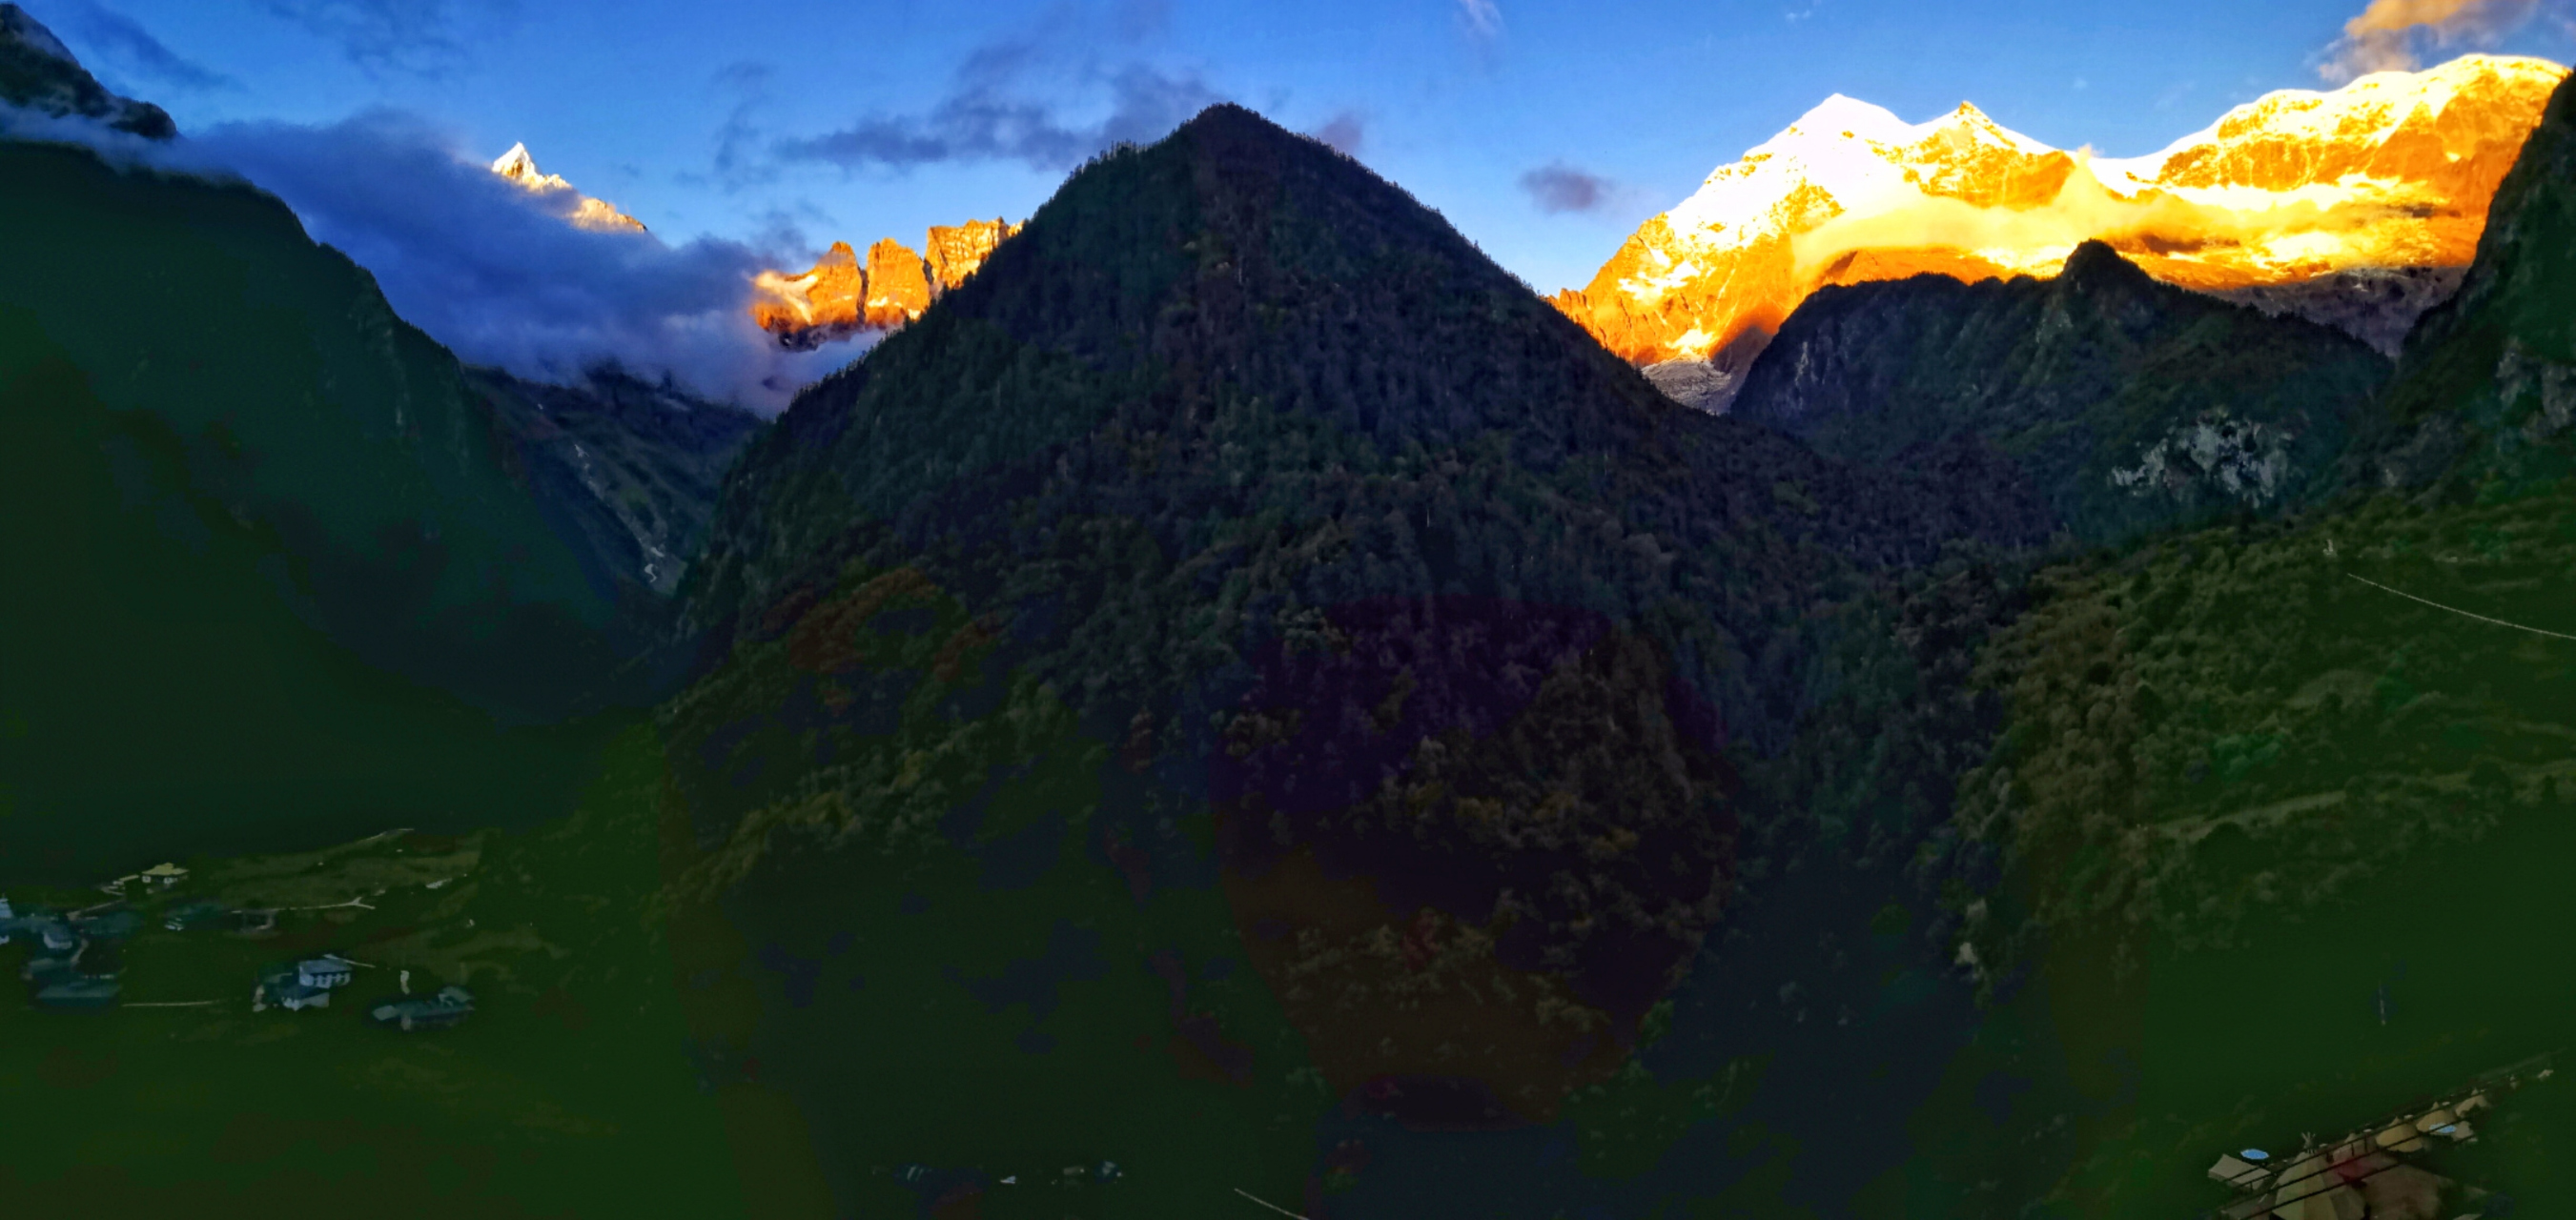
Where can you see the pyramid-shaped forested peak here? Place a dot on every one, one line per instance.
(1233, 285)
(1235, 433)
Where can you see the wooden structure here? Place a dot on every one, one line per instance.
(2351, 1177)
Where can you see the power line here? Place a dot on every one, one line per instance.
(2559, 635)
(1272, 1206)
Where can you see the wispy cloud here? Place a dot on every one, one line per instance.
(1138, 20)
(419, 37)
(2388, 34)
(740, 156)
(1345, 131)
(1483, 19)
(496, 273)
(1559, 188)
(995, 111)
(127, 47)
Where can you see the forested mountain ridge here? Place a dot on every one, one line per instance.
(1244, 476)
(39, 73)
(2120, 403)
(292, 517)
(2225, 750)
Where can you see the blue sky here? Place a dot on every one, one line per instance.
(786, 124)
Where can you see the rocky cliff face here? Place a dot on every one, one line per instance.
(37, 72)
(898, 285)
(839, 298)
(2117, 402)
(958, 251)
(2331, 206)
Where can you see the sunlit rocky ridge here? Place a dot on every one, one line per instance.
(841, 297)
(2356, 207)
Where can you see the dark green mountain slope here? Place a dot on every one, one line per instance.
(2486, 388)
(278, 563)
(2120, 403)
(628, 468)
(2283, 809)
(38, 73)
(1241, 549)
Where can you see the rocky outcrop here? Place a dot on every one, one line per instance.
(817, 307)
(2377, 305)
(39, 73)
(957, 251)
(2342, 207)
(898, 285)
(839, 298)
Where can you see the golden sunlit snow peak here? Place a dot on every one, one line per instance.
(521, 169)
(2392, 170)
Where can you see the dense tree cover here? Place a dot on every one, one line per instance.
(2115, 403)
(2253, 781)
(1334, 533)
(279, 567)
(304, 405)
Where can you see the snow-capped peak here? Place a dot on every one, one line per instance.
(1849, 156)
(2364, 112)
(2392, 170)
(519, 167)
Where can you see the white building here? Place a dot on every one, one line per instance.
(325, 972)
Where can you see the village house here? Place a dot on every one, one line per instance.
(449, 1006)
(306, 984)
(44, 969)
(327, 971)
(110, 925)
(163, 876)
(79, 992)
(285, 988)
(192, 915)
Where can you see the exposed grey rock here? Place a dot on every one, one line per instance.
(1694, 383)
(2377, 305)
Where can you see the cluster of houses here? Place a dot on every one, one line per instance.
(309, 984)
(75, 959)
